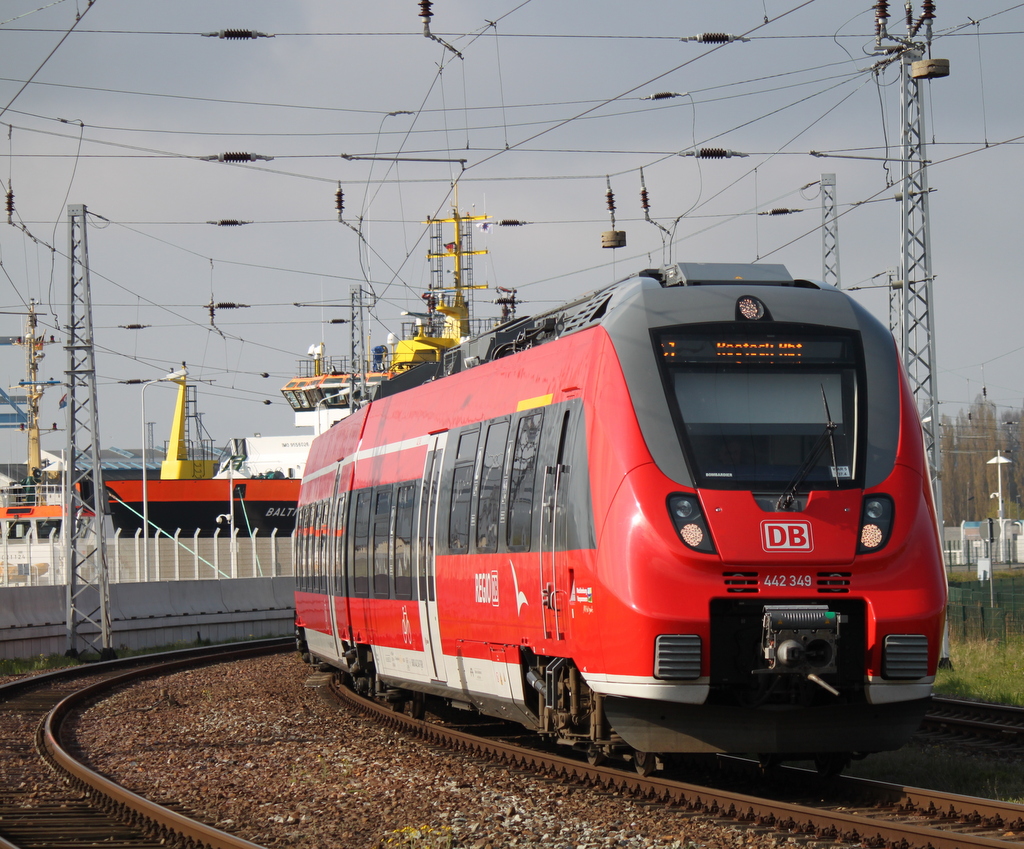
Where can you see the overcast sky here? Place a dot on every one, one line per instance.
(533, 107)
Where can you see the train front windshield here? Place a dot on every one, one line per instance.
(754, 406)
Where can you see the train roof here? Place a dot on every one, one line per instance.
(522, 333)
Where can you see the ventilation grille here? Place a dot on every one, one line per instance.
(905, 656)
(677, 656)
(834, 582)
(740, 582)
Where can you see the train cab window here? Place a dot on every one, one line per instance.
(753, 405)
(522, 482)
(361, 545)
(381, 542)
(489, 503)
(403, 541)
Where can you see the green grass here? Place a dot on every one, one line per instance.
(24, 666)
(945, 768)
(986, 670)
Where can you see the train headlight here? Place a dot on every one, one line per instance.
(688, 519)
(875, 523)
(749, 308)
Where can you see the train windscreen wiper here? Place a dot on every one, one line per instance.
(789, 493)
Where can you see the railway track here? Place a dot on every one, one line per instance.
(50, 800)
(64, 804)
(882, 815)
(996, 725)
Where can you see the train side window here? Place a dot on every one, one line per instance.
(403, 541)
(522, 482)
(306, 548)
(462, 491)
(467, 445)
(321, 547)
(361, 545)
(337, 564)
(298, 549)
(381, 541)
(489, 505)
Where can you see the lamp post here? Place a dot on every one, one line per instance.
(999, 461)
(176, 375)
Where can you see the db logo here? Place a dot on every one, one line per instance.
(786, 536)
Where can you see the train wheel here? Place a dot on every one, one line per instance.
(595, 757)
(645, 763)
(831, 764)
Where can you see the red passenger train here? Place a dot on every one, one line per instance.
(689, 512)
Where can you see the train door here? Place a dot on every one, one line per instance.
(553, 555)
(425, 562)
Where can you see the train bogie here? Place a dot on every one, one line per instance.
(688, 513)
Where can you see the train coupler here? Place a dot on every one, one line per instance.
(801, 639)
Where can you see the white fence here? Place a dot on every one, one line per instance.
(32, 562)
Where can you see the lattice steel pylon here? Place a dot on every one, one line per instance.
(88, 589)
(829, 232)
(357, 351)
(916, 335)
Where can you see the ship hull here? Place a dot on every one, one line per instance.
(260, 505)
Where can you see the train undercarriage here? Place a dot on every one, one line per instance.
(781, 717)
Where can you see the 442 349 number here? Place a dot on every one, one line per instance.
(787, 580)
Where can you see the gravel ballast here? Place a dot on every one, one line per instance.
(252, 750)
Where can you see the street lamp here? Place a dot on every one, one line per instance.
(180, 374)
(999, 461)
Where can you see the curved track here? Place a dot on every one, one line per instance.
(885, 815)
(51, 800)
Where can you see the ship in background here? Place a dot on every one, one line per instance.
(249, 488)
(252, 486)
(327, 389)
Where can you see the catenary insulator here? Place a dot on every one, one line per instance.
(609, 197)
(662, 95)
(713, 153)
(229, 305)
(714, 38)
(425, 13)
(780, 210)
(927, 10)
(228, 222)
(512, 222)
(339, 201)
(239, 156)
(645, 203)
(237, 34)
(133, 326)
(10, 206)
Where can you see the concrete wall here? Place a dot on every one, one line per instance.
(145, 615)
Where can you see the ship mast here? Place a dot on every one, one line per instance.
(459, 250)
(424, 348)
(34, 388)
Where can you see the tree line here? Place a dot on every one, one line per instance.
(969, 481)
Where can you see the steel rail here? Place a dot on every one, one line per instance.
(147, 817)
(952, 810)
(1002, 722)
